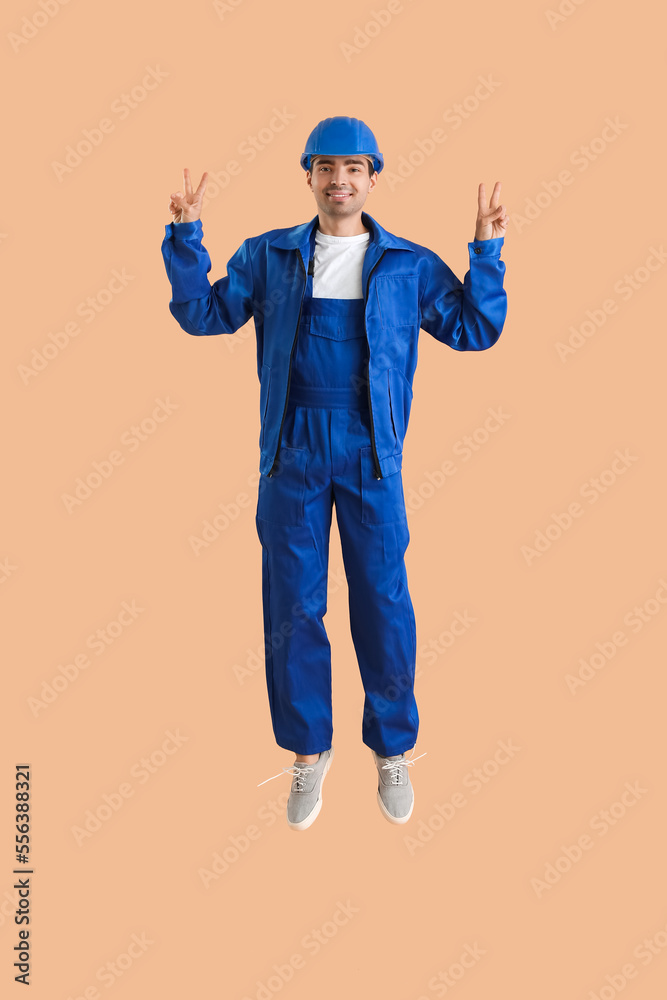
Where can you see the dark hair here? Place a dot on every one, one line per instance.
(371, 167)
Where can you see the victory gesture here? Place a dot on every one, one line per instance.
(187, 207)
(492, 220)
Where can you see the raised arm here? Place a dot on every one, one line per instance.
(470, 315)
(200, 308)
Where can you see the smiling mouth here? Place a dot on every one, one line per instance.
(339, 195)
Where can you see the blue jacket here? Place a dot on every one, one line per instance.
(406, 288)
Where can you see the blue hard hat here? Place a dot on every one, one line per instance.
(342, 136)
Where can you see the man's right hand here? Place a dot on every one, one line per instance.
(187, 207)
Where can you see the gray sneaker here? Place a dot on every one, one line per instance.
(395, 795)
(305, 801)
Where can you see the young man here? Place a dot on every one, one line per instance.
(338, 303)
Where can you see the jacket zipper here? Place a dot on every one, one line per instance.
(289, 373)
(378, 474)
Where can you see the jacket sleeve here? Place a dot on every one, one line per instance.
(199, 307)
(468, 315)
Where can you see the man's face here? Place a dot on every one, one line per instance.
(340, 183)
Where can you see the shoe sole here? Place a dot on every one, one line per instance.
(315, 811)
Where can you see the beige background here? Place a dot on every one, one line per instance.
(395, 913)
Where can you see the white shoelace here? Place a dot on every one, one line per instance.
(298, 772)
(394, 766)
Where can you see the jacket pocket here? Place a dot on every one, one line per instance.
(400, 402)
(263, 401)
(382, 500)
(281, 497)
(397, 298)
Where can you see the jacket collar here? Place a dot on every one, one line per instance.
(299, 236)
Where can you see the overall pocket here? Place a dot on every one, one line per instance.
(281, 496)
(334, 327)
(382, 500)
(264, 384)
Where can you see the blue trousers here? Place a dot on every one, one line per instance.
(325, 458)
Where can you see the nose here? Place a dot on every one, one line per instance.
(338, 177)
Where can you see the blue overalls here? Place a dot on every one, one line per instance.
(325, 457)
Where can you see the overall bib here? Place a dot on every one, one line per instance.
(326, 457)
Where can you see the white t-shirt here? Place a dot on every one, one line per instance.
(338, 264)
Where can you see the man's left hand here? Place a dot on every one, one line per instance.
(492, 220)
